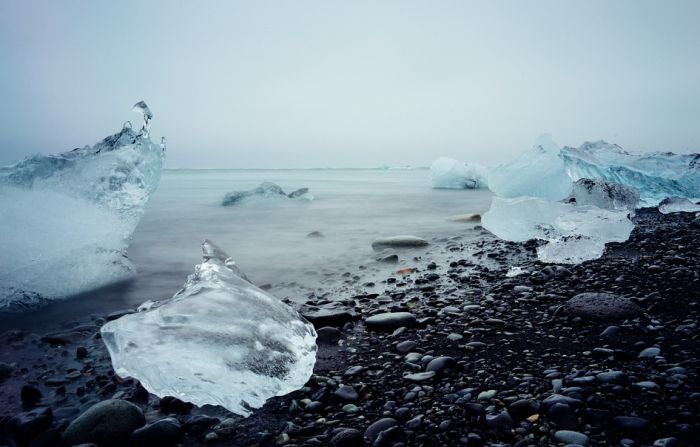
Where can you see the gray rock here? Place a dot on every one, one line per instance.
(571, 437)
(379, 426)
(406, 346)
(165, 432)
(107, 423)
(630, 423)
(602, 307)
(347, 393)
(390, 320)
(347, 437)
(328, 335)
(420, 377)
(649, 353)
(30, 424)
(398, 242)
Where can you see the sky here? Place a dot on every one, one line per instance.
(289, 84)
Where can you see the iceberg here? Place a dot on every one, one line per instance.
(678, 205)
(67, 219)
(266, 191)
(539, 172)
(656, 175)
(449, 173)
(607, 195)
(573, 233)
(218, 341)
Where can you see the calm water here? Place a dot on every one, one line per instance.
(268, 238)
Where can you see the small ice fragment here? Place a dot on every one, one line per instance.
(448, 173)
(574, 233)
(678, 205)
(218, 341)
(515, 271)
(142, 108)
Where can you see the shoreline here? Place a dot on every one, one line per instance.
(499, 348)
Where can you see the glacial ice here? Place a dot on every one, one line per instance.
(67, 219)
(678, 205)
(538, 172)
(219, 341)
(452, 174)
(607, 195)
(656, 175)
(573, 233)
(266, 191)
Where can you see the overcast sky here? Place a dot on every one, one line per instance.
(349, 83)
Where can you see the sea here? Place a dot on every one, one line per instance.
(269, 238)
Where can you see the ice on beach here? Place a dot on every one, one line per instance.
(656, 175)
(219, 341)
(607, 195)
(573, 233)
(452, 174)
(265, 192)
(515, 271)
(67, 219)
(678, 205)
(538, 172)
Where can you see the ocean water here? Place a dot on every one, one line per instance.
(268, 238)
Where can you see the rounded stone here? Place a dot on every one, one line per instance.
(390, 320)
(379, 426)
(602, 307)
(571, 437)
(107, 423)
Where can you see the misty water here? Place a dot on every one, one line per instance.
(268, 238)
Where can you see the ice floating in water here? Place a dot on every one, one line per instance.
(656, 175)
(67, 219)
(610, 196)
(678, 205)
(265, 191)
(538, 172)
(452, 174)
(219, 341)
(574, 233)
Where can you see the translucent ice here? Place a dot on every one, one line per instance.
(678, 205)
(538, 172)
(452, 174)
(573, 233)
(265, 191)
(656, 175)
(596, 192)
(220, 341)
(67, 219)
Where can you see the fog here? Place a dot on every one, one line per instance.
(349, 84)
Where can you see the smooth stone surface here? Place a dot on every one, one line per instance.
(602, 307)
(379, 426)
(390, 320)
(571, 437)
(107, 423)
(165, 432)
(398, 242)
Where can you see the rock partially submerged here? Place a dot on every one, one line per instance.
(219, 341)
(266, 190)
(602, 307)
(399, 242)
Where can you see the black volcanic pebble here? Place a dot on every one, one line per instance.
(30, 395)
(347, 393)
(30, 424)
(379, 426)
(328, 335)
(441, 365)
(629, 423)
(169, 404)
(562, 416)
(165, 432)
(347, 437)
(602, 306)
